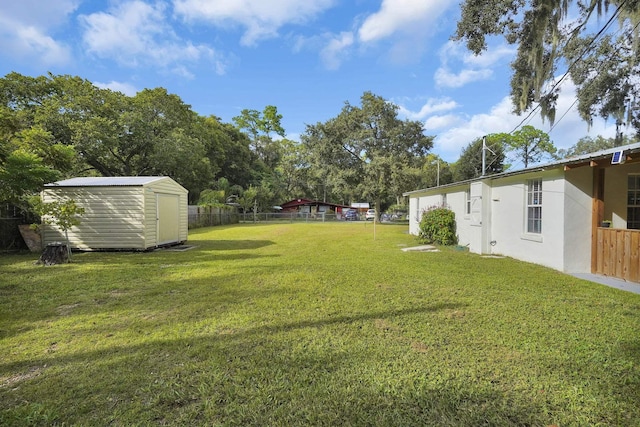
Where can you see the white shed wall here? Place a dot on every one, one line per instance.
(113, 217)
(118, 216)
(166, 186)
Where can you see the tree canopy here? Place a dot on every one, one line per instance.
(469, 165)
(366, 151)
(54, 127)
(528, 144)
(604, 65)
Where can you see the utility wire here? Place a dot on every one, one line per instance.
(575, 61)
(602, 64)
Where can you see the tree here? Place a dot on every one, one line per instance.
(292, 172)
(435, 171)
(469, 165)
(365, 150)
(586, 145)
(259, 126)
(547, 32)
(606, 76)
(228, 151)
(23, 174)
(248, 200)
(529, 144)
(63, 214)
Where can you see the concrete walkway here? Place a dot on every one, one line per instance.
(610, 281)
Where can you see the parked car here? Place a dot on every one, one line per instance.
(351, 215)
(371, 214)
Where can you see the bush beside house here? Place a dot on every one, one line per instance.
(438, 226)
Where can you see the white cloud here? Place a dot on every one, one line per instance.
(399, 16)
(441, 122)
(261, 19)
(445, 78)
(38, 13)
(136, 33)
(406, 25)
(336, 49)
(473, 67)
(569, 127)
(453, 51)
(25, 29)
(433, 105)
(125, 88)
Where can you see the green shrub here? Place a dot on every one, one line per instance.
(438, 226)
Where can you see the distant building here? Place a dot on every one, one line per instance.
(308, 206)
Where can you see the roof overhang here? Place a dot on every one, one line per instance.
(628, 154)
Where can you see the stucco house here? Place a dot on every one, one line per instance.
(551, 214)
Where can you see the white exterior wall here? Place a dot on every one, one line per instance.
(417, 205)
(578, 204)
(499, 208)
(455, 200)
(508, 231)
(497, 222)
(113, 217)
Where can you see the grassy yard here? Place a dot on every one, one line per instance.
(312, 324)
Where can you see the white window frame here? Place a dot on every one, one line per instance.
(533, 206)
(467, 202)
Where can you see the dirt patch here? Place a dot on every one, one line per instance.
(13, 380)
(422, 248)
(65, 310)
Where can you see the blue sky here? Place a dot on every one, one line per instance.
(305, 57)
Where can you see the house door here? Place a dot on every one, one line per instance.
(168, 218)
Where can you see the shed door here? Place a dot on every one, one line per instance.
(168, 218)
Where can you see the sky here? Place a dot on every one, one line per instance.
(305, 57)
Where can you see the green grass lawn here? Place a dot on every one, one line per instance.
(312, 324)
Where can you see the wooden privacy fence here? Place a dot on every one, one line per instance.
(206, 216)
(618, 253)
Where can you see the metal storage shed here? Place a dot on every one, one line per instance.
(139, 212)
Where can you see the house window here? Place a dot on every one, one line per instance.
(467, 201)
(633, 202)
(534, 206)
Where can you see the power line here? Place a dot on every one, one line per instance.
(575, 61)
(602, 65)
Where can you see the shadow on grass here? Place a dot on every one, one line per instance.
(251, 332)
(232, 245)
(287, 373)
(262, 375)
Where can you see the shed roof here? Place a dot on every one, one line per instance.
(107, 181)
